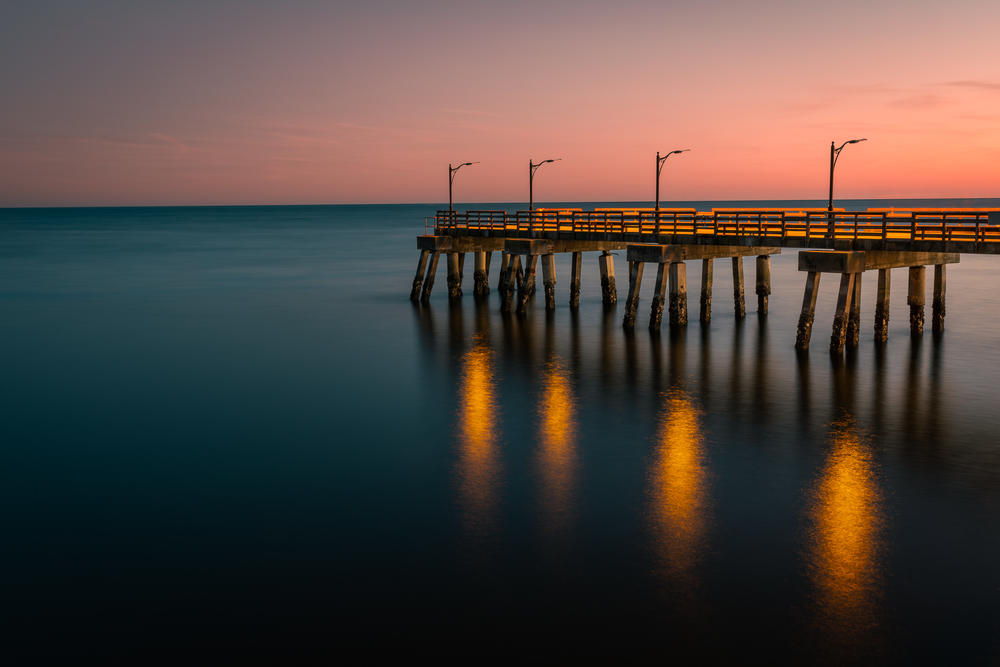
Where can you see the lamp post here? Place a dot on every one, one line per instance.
(451, 179)
(659, 168)
(834, 154)
(532, 168)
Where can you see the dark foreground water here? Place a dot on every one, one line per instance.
(227, 432)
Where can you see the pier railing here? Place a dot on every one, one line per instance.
(941, 225)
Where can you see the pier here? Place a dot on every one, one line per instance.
(846, 243)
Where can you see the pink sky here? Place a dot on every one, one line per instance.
(299, 102)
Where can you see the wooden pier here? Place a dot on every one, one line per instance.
(847, 243)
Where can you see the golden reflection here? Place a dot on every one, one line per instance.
(680, 489)
(478, 431)
(557, 413)
(845, 534)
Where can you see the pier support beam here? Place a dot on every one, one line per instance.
(418, 280)
(840, 315)
(454, 275)
(854, 314)
(937, 305)
(461, 268)
(915, 299)
(481, 285)
(763, 283)
(706, 291)
(632, 302)
(609, 292)
(574, 280)
(549, 280)
(527, 282)
(678, 294)
(502, 280)
(804, 331)
(882, 307)
(432, 268)
(739, 298)
(510, 278)
(659, 296)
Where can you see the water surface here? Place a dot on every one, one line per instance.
(227, 431)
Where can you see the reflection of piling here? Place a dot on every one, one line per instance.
(915, 299)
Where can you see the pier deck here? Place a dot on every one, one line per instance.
(841, 242)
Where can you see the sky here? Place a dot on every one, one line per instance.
(297, 102)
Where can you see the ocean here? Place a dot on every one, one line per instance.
(228, 433)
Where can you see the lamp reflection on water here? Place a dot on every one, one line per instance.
(679, 490)
(478, 432)
(557, 438)
(845, 538)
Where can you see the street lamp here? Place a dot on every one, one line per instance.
(834, 154)
(451, 178)
(532, 168)
(659, 168)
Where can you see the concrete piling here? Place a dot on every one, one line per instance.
(678, 294)
(527, 282)
(763, 283)
(706, 290)
(854, 314)
(882, 307)
(461, 267)
(632, 301)
(839, 335)
(549, 280)
(609, 292)
(481, 285)
(502, 280)
(915, 299)
(454, 275)
(429, 278)
(574, 280)
(739, 300)
(804, 330)
(510, 277)
(937, 305)
(418, 280)
(659, 296)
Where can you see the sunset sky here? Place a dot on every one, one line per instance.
(139, 102)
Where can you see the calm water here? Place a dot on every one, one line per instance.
(226, 431)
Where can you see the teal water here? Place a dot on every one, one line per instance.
(227, 432)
